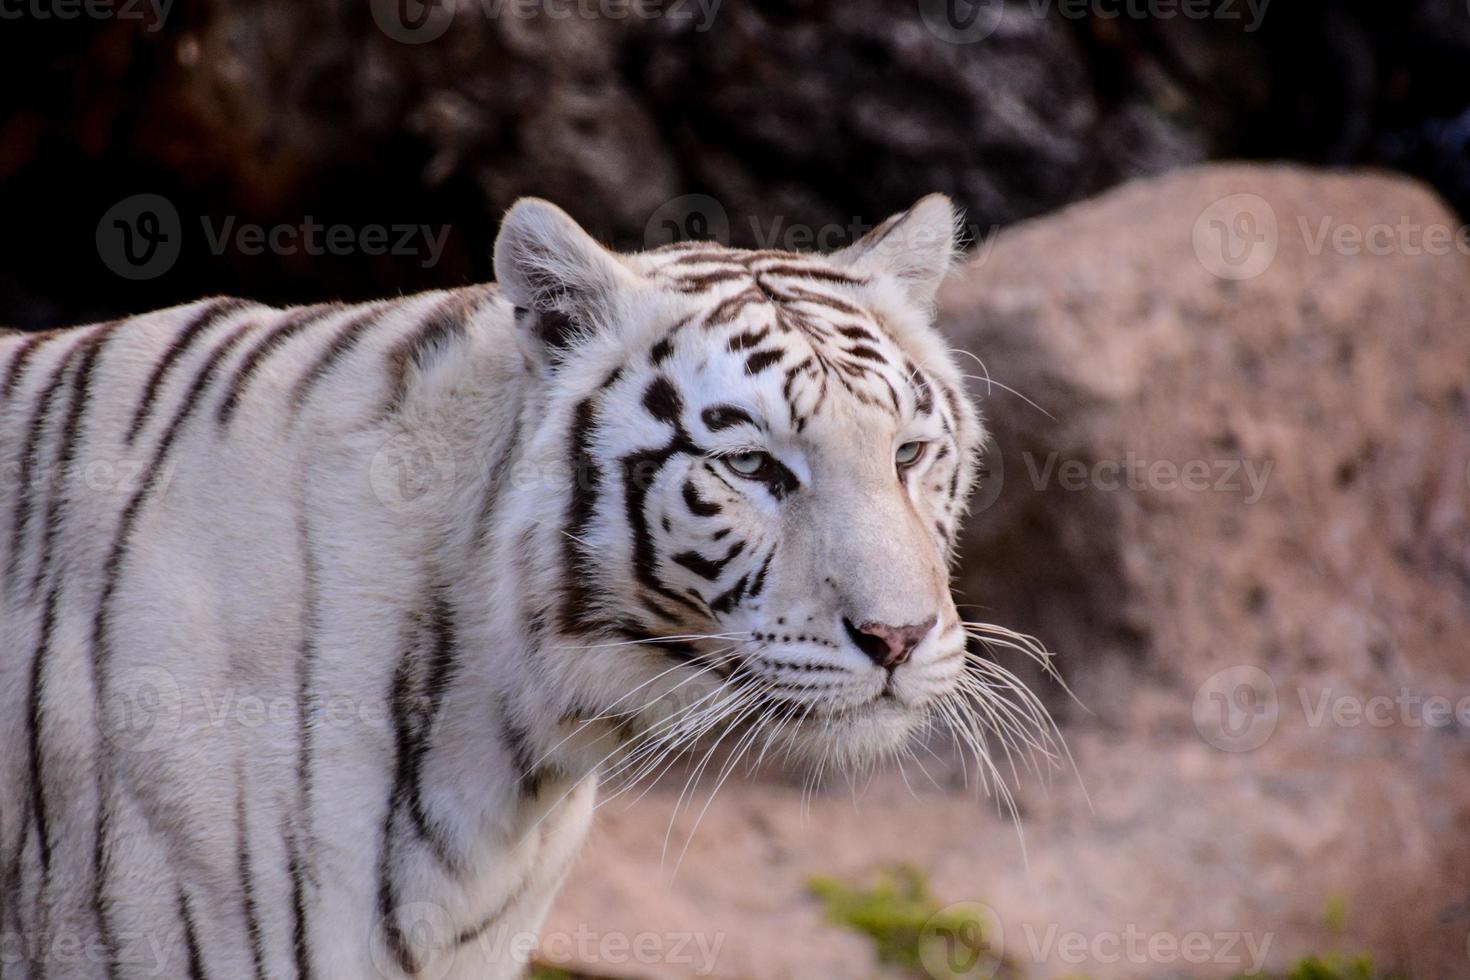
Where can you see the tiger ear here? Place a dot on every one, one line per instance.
(563, 284)
(916, 248)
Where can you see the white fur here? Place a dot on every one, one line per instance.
(289, 531)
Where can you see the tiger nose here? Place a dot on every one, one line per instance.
(888, 646)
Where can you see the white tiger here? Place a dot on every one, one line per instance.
(320, 624)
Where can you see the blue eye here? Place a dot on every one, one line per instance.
(909, 453)
(750, 465)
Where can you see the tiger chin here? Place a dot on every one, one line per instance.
(322, 625)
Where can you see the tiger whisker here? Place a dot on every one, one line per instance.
(989, 381)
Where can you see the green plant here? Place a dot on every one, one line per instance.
(901, 917)
(1331, 967)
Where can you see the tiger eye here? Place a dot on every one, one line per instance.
(909, 453)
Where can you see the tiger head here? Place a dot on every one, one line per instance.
(761, 460)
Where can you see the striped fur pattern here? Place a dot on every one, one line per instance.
(320, 625)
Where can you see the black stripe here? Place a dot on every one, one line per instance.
(300, 936)
(665, 347)
(728, 599)
(705, 568)
(387, 887)
(101, 648)
(706, 281)
(414, 703)
(663, 401)
(347, 337)
(923, 391)
(29, 458)
(81, 393)
(306, 704)
(819, 273)
(792, 372)
(639, 470)
(443, 665)
(866, 352)
(579, 569)
(706, 255)
(192, 333)
(35, 724)
(102, 868)
(247, 877)
(15, 373)
(697, 505)
(760, 576)
(798, 294)
(295, 321)
(447, 323)
(718, 417)
(747, 339)
(728, 309)
(762, 359)
(582, 505)
(517, 740)
(191, 939)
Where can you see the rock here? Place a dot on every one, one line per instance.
(789, 114)
(1264, 466)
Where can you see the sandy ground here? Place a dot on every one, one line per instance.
(1189, 861)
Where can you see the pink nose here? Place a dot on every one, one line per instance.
(888, 646)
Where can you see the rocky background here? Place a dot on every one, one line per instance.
(1230, 467)
(809, 114)
(1274, 669)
